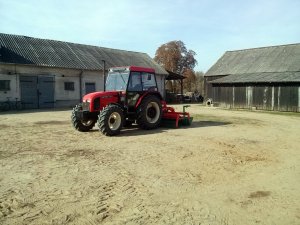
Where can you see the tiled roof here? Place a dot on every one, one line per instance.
(42, 52)
(280, 77)
(274, 59)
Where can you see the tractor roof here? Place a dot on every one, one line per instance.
(133, 68)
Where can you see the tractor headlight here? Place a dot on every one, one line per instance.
(86, 106)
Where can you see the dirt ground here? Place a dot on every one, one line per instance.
(229, 167)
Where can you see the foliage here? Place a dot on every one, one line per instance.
(175, 57)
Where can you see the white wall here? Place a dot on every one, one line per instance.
(62, 97)
(92, 77)
(14, 91)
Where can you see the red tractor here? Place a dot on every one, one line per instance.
(131, 96)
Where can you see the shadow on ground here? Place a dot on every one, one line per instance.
(135, 131)
(209, 123)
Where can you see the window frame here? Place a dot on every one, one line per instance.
(6, 85)
(69, 86)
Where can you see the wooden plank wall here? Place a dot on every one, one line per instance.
(263, 97)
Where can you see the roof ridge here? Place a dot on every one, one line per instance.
(68, 42)
(271, 46)
(288, 71)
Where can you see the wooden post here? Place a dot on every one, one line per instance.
(298, 99)
(181, 86)
(273, 99)
(233, 97)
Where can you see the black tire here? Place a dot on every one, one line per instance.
(78, 124)
(110, 120)
(149, 113)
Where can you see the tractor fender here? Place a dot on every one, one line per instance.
(117, 104)
(154, 93)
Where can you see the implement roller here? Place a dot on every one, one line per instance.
(174, 119)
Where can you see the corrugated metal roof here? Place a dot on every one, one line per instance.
(42, 52)
(280, 77)
(174, 76)
(274, 59)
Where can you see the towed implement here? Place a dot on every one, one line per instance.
(131, 96)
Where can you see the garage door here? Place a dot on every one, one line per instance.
(29, 96)
(46, 92)
(37, 92)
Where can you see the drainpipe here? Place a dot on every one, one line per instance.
(80, 85)
(104, 78)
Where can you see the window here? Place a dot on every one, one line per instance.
(4, 85)
(69, 86)
(135, 82)
(117, 81)
(90, 87)
(149, 82)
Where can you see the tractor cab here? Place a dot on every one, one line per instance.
(132, 82)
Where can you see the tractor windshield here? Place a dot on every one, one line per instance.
(117, 81)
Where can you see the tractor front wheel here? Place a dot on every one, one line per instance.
(110, 120)
(149, 113)
(79, 124)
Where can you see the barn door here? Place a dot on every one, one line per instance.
(29, 96)
(37, 92)
(46, 92)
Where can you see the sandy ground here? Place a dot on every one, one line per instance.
(229, 167)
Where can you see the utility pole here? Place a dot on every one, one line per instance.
(104, 78)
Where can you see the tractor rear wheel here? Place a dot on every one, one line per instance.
(79, 124)
(149, 113)
(110, 120)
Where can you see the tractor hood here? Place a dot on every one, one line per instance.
(95, 101)
(91, 96)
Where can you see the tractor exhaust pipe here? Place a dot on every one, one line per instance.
(104, 78)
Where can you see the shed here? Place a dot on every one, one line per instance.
(266, 78)
(46, 73)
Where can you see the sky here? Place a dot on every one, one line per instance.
(208, 27)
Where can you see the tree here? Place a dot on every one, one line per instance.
(199, 83)
(190, 80)
(175, 57)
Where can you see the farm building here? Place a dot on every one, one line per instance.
(265, 78)
(47, 73)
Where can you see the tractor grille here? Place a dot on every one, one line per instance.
(97, 104)
(86, 106)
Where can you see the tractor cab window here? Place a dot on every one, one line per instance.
(135, 82)
(148, 81)
(117, 81)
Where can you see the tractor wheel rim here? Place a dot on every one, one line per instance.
(114, 121)
(152, 112)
